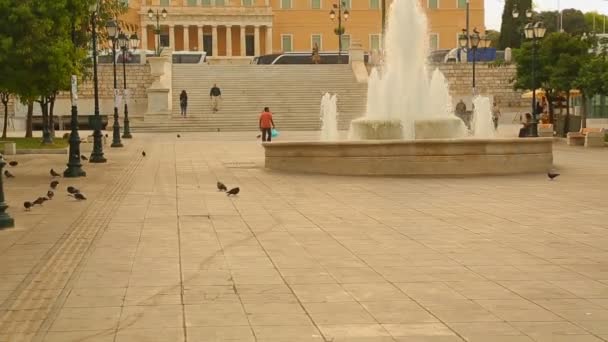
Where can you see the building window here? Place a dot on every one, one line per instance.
(374, 42)
(434, 41)
(316, 39)
(286, 43)
(346, 4)
(462, 4)
(193, 2)
(434, 4)
(286, 4)
(247, 2)
(165, 2)
(164, 38)
(220, 3)
(315, 4)
(345, 42)
(374, 4)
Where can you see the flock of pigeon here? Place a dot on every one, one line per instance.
(72, 191)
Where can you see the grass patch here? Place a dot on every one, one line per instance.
(34, 143)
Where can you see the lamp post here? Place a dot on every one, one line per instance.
(97, 153)
(475, 41)
(6, 221)
(383, 15)
(162, 14)
(74, 167)
(125, 43)
(112, 29)
(533, 31)
(341, 12)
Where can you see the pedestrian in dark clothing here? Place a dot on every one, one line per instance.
(525, 130)
(215, 94)
(183, 102)
(266, 124)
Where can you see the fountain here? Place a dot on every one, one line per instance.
(329, 117)
(409, 127)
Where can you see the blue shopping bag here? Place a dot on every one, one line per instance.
(274, 133)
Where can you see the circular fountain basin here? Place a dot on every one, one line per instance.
(444, 128)
(437, 157)
(370, 129)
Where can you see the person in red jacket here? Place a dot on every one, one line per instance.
(266, 124)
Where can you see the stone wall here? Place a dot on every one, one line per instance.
(495, 81)
(138, 80)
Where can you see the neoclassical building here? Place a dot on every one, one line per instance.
(242, 28)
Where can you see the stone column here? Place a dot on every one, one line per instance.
(256, 37)
(268, 40)
(186, 38)
(243, 46)
(199, 38)
(214, 38)
(144, 37)
(229, 40)
(172, 37)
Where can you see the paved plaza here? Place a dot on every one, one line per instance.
(156, 253)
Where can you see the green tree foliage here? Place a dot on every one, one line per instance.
(595, 21)
(494, 37)
(511, 29)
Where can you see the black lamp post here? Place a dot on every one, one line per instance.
(341, 12)
(74, 167)
(112, 29)
(6, 221)
(162, 14)
(97, 154)
(534, 32)
(475, 41)
(383, 16)
(126, 42)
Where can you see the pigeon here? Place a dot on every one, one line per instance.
(83, 157)
(54, 184)
(79, 196)
(179, 136)
(27, 205)
(552, 175)
(221, 186)
(8, 174)
(39, 201)
(233, 191)
(13, 163)
(54, 174)
(143, 153)
(50, 194)
(72, 190)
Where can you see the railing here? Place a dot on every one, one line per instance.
(235, 9)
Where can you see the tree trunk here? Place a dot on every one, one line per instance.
(551, 109)
(583, 111)
(4, 97)
(51, 117)
(46, 133)
(28, 120)
(567, 118)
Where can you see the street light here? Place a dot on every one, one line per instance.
(112, 29)
(6, 221)
(533, 31)
(475, 41)
(97, 153)
(125, 43)
(341, 12)
(74, 168)
(162, 14)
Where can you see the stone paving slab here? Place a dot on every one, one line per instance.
(158, 254)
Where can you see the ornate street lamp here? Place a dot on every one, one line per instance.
(533, 31)
(97, 153)
(74, 168)
(112, 29)
(162, 14)
(125, 43)
(341, 12)
(475, 41)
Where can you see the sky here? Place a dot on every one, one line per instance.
(494, 8)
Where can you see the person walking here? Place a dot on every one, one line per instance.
(266, 124)
(183, 102)
(495, 115)
(215, 94)
(316, 58)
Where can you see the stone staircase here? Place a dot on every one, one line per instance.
(293, 93)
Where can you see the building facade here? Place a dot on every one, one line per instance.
(243, 28)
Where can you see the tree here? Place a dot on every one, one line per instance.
(511, 29)
(595, 21)
(494, 37)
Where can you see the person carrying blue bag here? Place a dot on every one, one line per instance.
(266, 125)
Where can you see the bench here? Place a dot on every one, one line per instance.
(545, 130)
(589, 137)
(63, 122)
